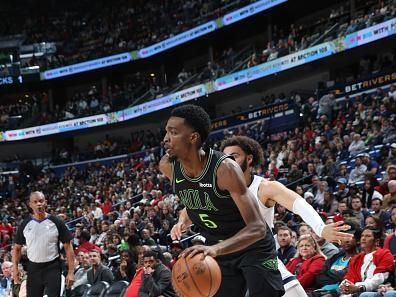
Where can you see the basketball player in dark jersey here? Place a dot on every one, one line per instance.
(212, 187)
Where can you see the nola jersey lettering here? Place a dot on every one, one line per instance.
(211, 209)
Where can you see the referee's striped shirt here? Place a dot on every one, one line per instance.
(42, 238)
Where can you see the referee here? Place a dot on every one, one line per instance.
(42, 233)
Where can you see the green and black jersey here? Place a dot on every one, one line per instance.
(209, 208)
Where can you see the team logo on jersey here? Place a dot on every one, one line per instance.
(270, 264)
(205, 185)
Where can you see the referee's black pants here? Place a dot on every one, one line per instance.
(44, 277)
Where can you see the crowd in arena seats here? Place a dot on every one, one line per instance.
(89, 30)
(139, 87)
(341, 160)
(300, 37)
(110, 146)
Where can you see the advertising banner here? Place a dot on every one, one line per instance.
(86, 66)
(302, 57)
(164, 102)
(367, 35)
(249, 10)
(177, 39)
(65, 126)
(243, 117)
(372, 82)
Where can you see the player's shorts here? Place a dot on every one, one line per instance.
(288, 279)
(254, 269)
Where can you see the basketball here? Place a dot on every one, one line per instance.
(196, 277)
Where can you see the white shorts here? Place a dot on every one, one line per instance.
(289, 280)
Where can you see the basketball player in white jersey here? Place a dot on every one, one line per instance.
(248, 153)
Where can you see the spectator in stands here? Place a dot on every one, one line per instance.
(330, 205)
(102, 237)
(368, 192)
(358, 173)
(358, 211)
(164, 232)
(335, 267)
(210, 72)
(286, 250)
(85, 244)
(176, 249)
(319, 197)
(81, 274)
(96, 210)
(98, 272)
(6, 280)
(390, 240)
(304, 229)
(368, 269)
(146, 238)
(182, 76)
(357, 145)
(326, 106)
(308, 262)
(327, 248)
(127, 268)
(342, 189)
(390, 198)
(253, 61)
(377, 211)
(372, 165)
(282, 214)
(134, 286)
(156, 277)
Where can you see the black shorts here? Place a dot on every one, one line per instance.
(255, 269)
(44, 277)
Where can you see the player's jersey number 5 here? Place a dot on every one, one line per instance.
(208, 223)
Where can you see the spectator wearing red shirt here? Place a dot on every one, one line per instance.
(370, 268)
(308, 261)
(133, 288)
(85, 244)
(106, 206)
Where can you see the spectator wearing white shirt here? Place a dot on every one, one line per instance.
(357, 145)
(392, 91)
(96, 211)
(319, 197)
(358, 173)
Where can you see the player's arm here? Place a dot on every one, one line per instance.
(293, 202)
(230, 178)
(165, 166)
(16, 257)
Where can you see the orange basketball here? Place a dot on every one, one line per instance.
(196, 277)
